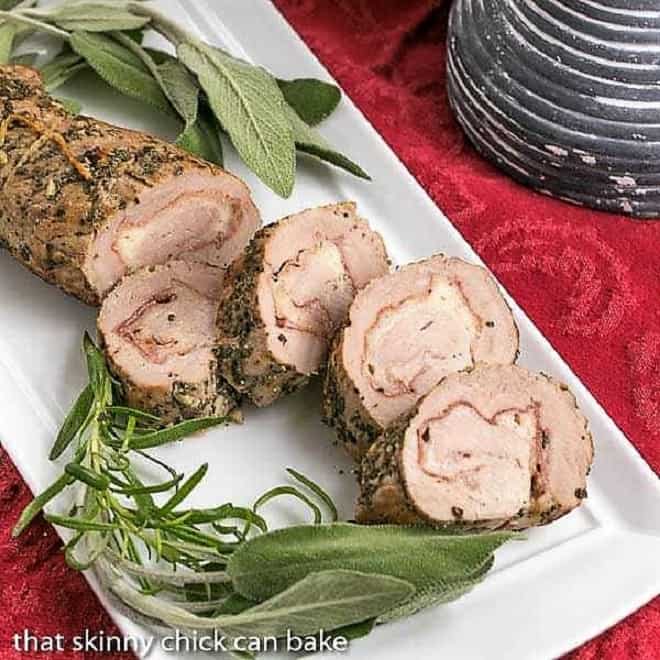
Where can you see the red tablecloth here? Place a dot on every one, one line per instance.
(590, 281)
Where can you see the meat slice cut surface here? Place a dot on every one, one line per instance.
(82, 202)
(290, 293)
(407, 331)
(203, 217)
(159, 334)
(496, 446)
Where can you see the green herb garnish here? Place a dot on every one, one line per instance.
(106, 437)
(210, 91)
(221, 568)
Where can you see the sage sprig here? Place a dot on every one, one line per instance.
(212, 93)
(345, 586)
(438, 564)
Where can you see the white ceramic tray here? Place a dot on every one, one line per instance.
(563, 585)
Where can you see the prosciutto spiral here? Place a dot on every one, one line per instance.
(289, 294)
(497, 446)
(159, 334)
(407, 331)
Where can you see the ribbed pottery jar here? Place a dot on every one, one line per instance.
(564, 95)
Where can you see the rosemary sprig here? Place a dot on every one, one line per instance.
(117, 513)
(116, 504)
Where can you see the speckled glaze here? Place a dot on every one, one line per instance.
(564, 95)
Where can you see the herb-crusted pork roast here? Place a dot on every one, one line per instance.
(83, 202)
(288, 295)
(158, 329)
(496, 446)
(407, 331)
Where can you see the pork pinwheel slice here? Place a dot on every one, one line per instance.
(289, 294)
(497, 446)
(158, 331)
(406, 332)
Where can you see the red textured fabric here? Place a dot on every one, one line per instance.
(591, 282)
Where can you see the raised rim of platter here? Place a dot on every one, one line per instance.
(569, 581)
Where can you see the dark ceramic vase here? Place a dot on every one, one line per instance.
(563, 95)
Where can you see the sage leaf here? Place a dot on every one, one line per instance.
(200, 135)
(180, 88)
(202, 139)
(266, 565)
(120, 68)
(313, 100)
(250, 107)
(436, 593)
(73, 422)
(7, 33)
(6, 5)
(323, 601)
(94, 17)
(176, 82)
(61, 69)
(311, 142)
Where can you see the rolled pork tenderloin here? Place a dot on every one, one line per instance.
(406, 331)
(288, 295)
(82, 202)
(158, 329)
(493, 447)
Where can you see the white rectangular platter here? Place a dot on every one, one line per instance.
(563, 585)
